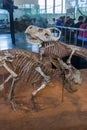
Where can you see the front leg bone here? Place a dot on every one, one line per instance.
(47, 78)
(11, 94)
(2, 85)
(73, 50)
(69, 59)
(13, 74)
(9, 70)
(40, 88)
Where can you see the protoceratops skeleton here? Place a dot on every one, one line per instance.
(56, 49)
(27, 65)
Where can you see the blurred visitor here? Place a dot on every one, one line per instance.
(82, 36)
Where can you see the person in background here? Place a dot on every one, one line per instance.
(77, 25)
(53, 22)
(82, 35)
(59, 22)
(80, 21)
(16, 24)
(67, 21)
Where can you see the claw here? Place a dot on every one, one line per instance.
(15, 105)
(34, 105)
(71, 89)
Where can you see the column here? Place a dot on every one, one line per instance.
(45, 6)
(53, 6)
(61, 6)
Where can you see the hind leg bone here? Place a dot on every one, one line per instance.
(11, 94)
(69, 59)
(40, 88)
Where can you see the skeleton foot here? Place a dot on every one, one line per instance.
(34, 104)
(70, 88)
(15, 106)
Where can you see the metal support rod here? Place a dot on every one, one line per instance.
(61, 6)
(53, 6)
(45, 6)
(12, 25)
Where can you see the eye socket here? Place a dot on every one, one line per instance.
(30, 27)
(40, 30)
(46, 34)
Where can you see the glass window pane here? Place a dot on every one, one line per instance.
(49, 6)
(58, 6)
(42, 5)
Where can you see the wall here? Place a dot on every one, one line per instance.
(21, 2)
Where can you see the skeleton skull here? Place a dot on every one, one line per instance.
(38, 35)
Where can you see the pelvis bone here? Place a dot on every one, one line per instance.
(38, 35)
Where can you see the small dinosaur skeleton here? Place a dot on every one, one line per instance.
(59, 50)
(26, 66)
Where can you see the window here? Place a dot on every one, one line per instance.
(49, 6)
(57, 6)
(42, 5)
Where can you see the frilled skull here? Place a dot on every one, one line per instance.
(38, 35)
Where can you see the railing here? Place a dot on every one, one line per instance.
(70, 35)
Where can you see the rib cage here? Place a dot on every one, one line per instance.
(54, 49)
(61, 50)
(24, 64)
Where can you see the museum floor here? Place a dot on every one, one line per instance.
(20, 42)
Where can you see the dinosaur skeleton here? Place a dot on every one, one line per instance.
(32, 68)
(25, 65)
